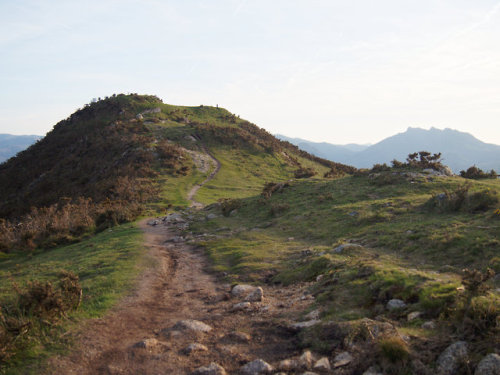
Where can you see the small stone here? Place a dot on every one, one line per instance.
(288, 364)
(195, 347)
(306, 360)
(451, 358)
(256, 295)
(322, 364)
(320, 277)
(256, 367)
(395, 304)
(211, 216)
(413, 315)
(489, 365)
(191, 325)
(146, 344)
(430, 325)
(300, 325)
(238, 336)
(212, 369)
(353, 213)
(309, 373)
(242, 306)
(242, 290)
(313, 315)
(342, 359)
(372, 371)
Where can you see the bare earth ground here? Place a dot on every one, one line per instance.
(179, 288)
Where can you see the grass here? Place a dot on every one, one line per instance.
(401, 248)
(106, 264)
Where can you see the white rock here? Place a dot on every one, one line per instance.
(372, 371)
(191, 325)
(212, 369)
(342, 359)
(306, 360)
(242, 290)
(256, 367)
(256, 295)
(242, 306)
(395, 304)
(306, 324)
(322, 364)
(413, 315)
(288, 364)
(313, 315)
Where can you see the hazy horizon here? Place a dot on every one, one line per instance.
(324, 70)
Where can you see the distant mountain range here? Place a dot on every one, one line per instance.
(10, 144)
(459, 150)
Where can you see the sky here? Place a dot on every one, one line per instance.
(335, 71)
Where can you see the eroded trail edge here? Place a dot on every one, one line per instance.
(144, 334)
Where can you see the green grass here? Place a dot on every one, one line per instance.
(242, 174)
(407, 251)
(107, 265)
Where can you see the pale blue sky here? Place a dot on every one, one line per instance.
(335, 71)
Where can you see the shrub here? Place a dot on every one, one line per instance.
(476, 173)
(37, 306)
(394, 349)
(380, 168)
(424, 159)
(304, 172)
(482, 200)
(477, 312)
(228, 205)
(461, 199)
(278, 208)
(273, 187)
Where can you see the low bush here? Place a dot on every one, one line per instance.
(35, 309)
(461, 200)
(273, 187)
(476, 173)
(477, 312)
(394, 349)
(64, 222)
(278, 208)
(229, 205)
(304, 173)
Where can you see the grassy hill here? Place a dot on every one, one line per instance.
(358, 239)
(67, 199)
(361, 241)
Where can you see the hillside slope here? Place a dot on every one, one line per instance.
(128, 153)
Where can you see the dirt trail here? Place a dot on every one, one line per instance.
(179, 288)
(194, 189)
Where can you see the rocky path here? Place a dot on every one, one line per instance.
(194, 189)
(181, 319)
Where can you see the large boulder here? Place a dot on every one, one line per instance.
(450, 360)
(489, 365)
